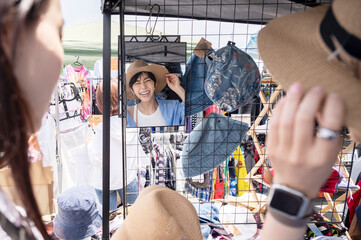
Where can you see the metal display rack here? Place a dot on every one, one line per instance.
(222, 11)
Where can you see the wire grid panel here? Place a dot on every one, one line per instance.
(230, 189)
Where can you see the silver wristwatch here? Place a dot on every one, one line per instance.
(289, 206)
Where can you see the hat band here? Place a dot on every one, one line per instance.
(330, 27)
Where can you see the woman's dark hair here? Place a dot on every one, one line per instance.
(15, 122)
(136, 76)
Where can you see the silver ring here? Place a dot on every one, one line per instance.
(327, 134)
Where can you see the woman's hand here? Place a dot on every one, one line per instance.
(301, 160)
(173, 81)
(174, 84)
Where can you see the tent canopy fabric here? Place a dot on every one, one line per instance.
(239, 11)
(86, 42)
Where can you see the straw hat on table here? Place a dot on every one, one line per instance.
(160, 213)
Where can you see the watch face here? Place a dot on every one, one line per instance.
(286, 202)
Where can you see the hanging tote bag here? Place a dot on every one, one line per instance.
(241, 172)
(219, 186)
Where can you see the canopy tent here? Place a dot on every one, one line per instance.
(86, 41)
(239, 11)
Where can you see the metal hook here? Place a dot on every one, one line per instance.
(149, 22)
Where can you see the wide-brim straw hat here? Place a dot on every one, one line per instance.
(294, 50)
(141, 66)
(160, 213)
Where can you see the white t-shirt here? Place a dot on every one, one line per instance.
(136, 158)
(154, 120)
(98, 69)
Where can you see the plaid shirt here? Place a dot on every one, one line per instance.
(203, 194)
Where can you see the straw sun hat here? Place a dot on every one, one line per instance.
(160, 213)
(297, 47)
(141, 66)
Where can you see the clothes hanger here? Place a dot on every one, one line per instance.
(135, 44)
(77, 63)
(69, 90)
(149, 22)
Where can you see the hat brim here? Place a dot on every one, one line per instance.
(210, 143)
(167, 214)
(66, 230)
(293, 51)
(159, 73)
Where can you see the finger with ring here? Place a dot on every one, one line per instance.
(327, 134)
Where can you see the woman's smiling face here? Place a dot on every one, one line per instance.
(144, 88)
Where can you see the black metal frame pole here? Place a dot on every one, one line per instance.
(123, 103)
(106, 120)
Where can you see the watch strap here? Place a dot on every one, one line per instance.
(306, 208)
(289, 222)
(311, 208)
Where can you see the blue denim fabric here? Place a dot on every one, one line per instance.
(206, 231)
(211, 143)
(195, 75)
(172, 112)
(79, 214)
(132, 194)
(233, 78)
(207, 213)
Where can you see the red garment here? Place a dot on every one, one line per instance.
(353, 203)
(256, 155)
(330, 185)
(213, 108)
(219, 186)
(256, 159)
(271, 170)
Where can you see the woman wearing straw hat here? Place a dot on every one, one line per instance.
(316, 55)
(143, 82)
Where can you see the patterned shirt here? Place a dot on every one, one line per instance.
(79, 76)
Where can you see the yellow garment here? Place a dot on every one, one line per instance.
(241, 172)
(213, 182)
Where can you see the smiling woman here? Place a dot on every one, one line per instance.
(30, 40)
(143, 82)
